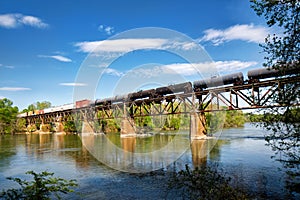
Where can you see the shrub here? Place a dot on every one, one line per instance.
(41, 187)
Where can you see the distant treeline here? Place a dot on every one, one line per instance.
(292, 116)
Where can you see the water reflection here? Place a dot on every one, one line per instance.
(136, 154)
(199, 152)
(244, 157)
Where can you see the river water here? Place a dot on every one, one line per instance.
(239, 152)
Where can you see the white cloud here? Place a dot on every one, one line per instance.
(121, 45)
(113, 72)
(73, 84)
(15, 20)
(245, 32)
(233, 65)
(14, 89)
(7, 66)
(189, 69)
(106, 29)
(57, 57)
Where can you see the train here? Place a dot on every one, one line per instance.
(185, 88)
(70, 106)
(235, 79)
(263, 73)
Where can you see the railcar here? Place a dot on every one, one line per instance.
(103, 102)
(174, 89)
(82, 103)
(23, 114)
(263, 73)
(119, 98)
(141, 94)
(68, 106)
(182, 87)
(47, 110)
(235, 79)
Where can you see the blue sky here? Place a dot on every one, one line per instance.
(45, 43)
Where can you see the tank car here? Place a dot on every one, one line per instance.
(235, 79)
(141, 94)
(182, 87)
(263, 73)
(163, 91)
(100, 102)
(173, 89)
(119, 98)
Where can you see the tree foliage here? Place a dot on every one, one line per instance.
(41, 187)
(38, 106)
(8, 116)
(283, 48)
(282, 53)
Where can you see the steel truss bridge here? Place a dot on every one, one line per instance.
(235, 97)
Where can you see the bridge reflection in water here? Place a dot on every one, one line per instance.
(136, 154)
(132, 154)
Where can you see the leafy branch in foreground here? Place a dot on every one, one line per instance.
(41, 187)
(283, 53)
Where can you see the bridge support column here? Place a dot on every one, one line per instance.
(86, 127)
(128, 128)
(31, 127)
(44, 127)
(59, 127)
(198, 129)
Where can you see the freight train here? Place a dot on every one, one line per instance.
(254, 76)
(263, 73)
(235, 79)
(70, 106)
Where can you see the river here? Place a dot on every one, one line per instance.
(240, 152)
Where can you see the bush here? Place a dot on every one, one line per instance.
(41, 188)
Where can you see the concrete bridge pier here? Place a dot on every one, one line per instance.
(198, 130)
(128, 128)
(59, 127)
(44, 127)
(86, 127)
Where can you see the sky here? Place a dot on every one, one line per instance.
(51, 50)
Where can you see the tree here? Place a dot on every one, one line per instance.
(8, 116)
(43, 105)
(283, 53)
(41, 187)
(38, 106)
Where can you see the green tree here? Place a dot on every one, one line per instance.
(41, 188)
(43, 105)
(38, 106)
(8, 116)
(282, 53)
(234, 118)
(70, 127)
